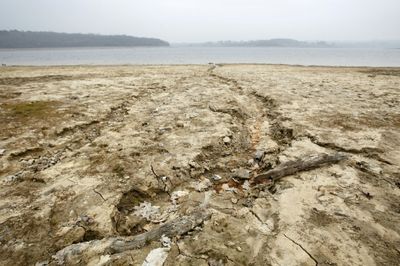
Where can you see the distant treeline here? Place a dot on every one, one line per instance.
(29, 39)
(264, 43)
(386, 44)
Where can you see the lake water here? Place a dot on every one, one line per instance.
(203, 55)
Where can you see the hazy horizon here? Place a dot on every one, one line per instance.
(190, 21)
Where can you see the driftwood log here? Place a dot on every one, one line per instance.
(300, 165)
(173, 228)
(95, 248)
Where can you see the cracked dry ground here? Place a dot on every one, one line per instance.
(83, 149)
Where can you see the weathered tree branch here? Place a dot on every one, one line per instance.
(92, 249)
(293, 167)
(173, 228)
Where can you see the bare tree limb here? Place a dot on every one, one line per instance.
(95, 248)
(293, 167)
(173, 228)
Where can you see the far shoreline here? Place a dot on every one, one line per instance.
(196, 64)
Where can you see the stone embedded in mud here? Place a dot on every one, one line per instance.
(227, 140)
(176, 195)
(156, 257)
(258, 156)
(85, 220)
(226, 187)
(16, 177)
(241, 174)
(180, 124)
(216, 177)
(246, 185)
(162, 130)
(194, 165)
(2, 151)
(165, 241)
(202, 185)
(230, 244)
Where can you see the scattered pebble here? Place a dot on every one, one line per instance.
(2, 151)
(234, 200)
(229, 244)
(165, 241)
(216, 177)
(202, 186)
(85, 220)
(246, 185)
(226, 187)
(194, 165)
(176, 195)
(241, 174)
(180, 124)
(259, 155)
(227, 140)
(162, 130)
(156, 257)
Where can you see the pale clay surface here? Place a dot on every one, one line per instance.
(78, 144)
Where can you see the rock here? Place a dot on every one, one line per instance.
(234, 200)
(156, 257)
(2, 151)
(227, 140)
(241, 174)
(246, 185)
(191, 115)
(104, 259)
(229, 244)
(213, 108)
(176, 195)
(180, 124)
(259, 155)
(216, 177)
(16, 177)
(165, 241)
(215, 262)
(85, 220)
(162, 130)
(226, 187)
(202, 186)
(70, 234)
(194, 165)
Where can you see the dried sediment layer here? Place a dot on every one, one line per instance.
(89, 154)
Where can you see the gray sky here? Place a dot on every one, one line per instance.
(210, 20)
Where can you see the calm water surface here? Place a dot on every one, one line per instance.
(203, 55)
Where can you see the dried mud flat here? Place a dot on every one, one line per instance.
(157, 165)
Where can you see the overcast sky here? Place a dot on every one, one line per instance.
(210, 20)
